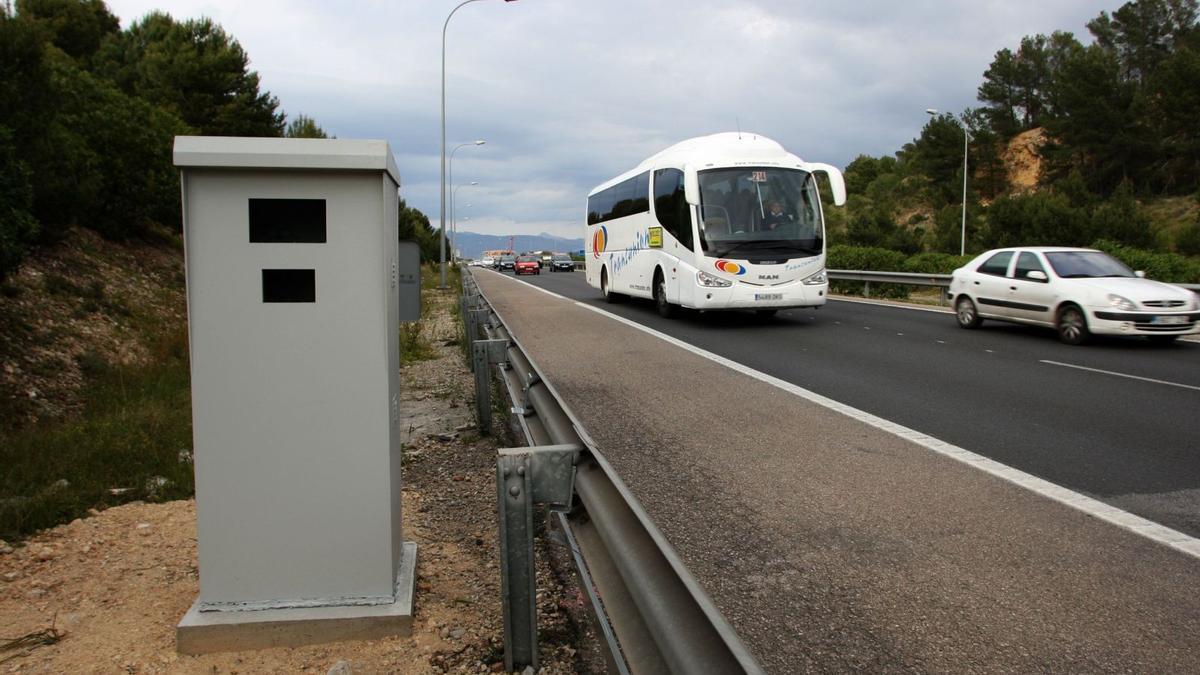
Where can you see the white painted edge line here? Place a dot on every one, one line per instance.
(1116, 374)
(1148, 529)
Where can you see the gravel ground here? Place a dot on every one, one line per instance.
(115, 584)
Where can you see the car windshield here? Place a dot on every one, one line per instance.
(527, 258)
(562, 258)
(1086, 264)
(759, 212)
(506, 258)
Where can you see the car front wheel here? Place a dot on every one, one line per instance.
(1072, 326)
(965, 312)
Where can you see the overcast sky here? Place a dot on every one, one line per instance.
(569, 93)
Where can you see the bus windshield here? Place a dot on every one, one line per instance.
(759, 212)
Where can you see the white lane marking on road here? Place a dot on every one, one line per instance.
(1132, 377)
(1136, 524)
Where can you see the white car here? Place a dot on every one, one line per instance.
(1076, 291)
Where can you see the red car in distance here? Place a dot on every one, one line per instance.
(528, 264)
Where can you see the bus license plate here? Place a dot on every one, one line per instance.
(768, 296)
(1169, 320)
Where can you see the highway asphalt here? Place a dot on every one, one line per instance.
(831, 545)
(1011, 393)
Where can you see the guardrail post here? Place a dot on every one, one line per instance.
(514, 497)
(475, 319)
(866, 289)
(484, 353)
(525, 476)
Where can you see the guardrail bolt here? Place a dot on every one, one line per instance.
(514, 491)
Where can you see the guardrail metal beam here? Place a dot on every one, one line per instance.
(633, 579)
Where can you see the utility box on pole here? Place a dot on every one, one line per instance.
(292, 286)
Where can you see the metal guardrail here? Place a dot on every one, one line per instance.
(651, 613)
(905, 278)
(917, 279)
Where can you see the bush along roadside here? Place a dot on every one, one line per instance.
(132, 442)
(1168, 267)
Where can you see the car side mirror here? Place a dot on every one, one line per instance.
(1140, 274)
(1037, 275)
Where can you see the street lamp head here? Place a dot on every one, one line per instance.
(480, 142)
(931, 111)
(474, 182)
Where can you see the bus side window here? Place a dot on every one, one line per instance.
(670, 206)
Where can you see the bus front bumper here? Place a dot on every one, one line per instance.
(747, 296)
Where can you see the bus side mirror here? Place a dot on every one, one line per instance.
(691, 188)
(836, 183)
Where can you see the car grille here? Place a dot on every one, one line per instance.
(1163, 303)
(1164, 328)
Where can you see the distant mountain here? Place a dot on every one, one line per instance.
(472, 245)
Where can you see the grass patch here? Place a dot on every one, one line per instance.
(134, 434)
(414, 346)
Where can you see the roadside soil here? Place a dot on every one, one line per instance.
(82, 299)
(115, 584)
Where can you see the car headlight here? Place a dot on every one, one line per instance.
(1121, 302)
(1194, 303)
(815, 279)
(706, 279)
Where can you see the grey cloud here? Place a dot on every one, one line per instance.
(570, 93)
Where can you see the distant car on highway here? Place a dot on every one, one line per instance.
(505, 262)
(528, 264)
(487, 261)
(561, 262)
(1077, 291)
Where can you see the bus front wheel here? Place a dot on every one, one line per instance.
(665, 309)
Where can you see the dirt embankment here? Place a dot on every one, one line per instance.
(1023, 159)
(83, 300)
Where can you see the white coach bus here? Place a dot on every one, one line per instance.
(728, 221)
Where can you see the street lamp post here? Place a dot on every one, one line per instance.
(962, 250)
(453, 220)
(454, 232)
(451, 183)
(442, 201)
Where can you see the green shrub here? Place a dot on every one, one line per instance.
(935, 263)
(134, 435)
(1169, 267)
(18, 229)
(864, 258)
(1187, 239)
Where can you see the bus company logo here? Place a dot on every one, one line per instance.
(599, 241)
(730, 267)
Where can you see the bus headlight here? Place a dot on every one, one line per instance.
(816, 279)
(706, 279)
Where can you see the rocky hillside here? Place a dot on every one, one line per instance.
(84, 303)
(1023, 160)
